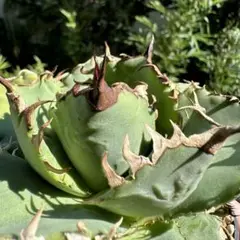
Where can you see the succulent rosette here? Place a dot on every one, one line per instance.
(123, 142)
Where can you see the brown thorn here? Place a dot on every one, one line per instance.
(18, 102)
(30, 231)
(164, 79)
(102, 96)
(209, 141)
(215, 137)
(45, 75)
(141, 90)
(199, 110)
(149, 52)
(97, 72)
(175, 94)
(124, 56)
(107, 49)
(177, 138)
(60, 74)
(55, 170)
(113, 230)
(6, 84)
(54, 69)
(76, 89)
(135, 162)
(37, 139)
(114, 180)
(81, 228)
(154, 67)
(159, 144)
(27, 113)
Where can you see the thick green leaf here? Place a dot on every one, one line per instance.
(22, 192)
(222, 179)
(158, 189)
(131, 71)
(134, 70)
(86, 134)
(199, 226)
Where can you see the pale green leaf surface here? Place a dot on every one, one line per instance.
(22, 192)
(222, 179)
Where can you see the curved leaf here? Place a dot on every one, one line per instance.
(222, 179)
(22, 192)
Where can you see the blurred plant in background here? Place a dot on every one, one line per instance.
(224, 64)
(37, 67)
(64, 32)
(180, 30)
(4, 65)
(195, 40)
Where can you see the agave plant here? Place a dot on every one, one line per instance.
(126, 151)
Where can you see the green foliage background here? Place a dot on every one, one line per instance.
(194, 39)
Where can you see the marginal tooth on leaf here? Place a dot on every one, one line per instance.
(102, 96)
(149, 52)
(194, 85)
(198, 108)
(46, 75)
(107, 50)
(61, 75)
(141, 90)
(114, 180)
(164, 79)
(196, 103)
(159, 144)
(81, 227)
(55, 170)
(18, 102)
(124, 56)
(7, 85)
(54, 69)
(212, 140)
(30, 232)
(154, 67)
(154, 101)
(28, 112)
(75, 236)
(76, 89)
(199, 140)
(175, 94)
(87, 71)
(37, 139)
(97, 72)
(177, 138)
(136, 162)
(113, 231)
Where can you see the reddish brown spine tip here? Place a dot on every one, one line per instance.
(76, 89)
(54, 69)
(84, 71)
(6, 84)
(55, 170)
(37, 139)
(27, 113)
(97, 72)
(59, 75)
(101, 96)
